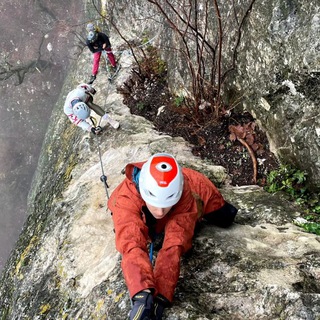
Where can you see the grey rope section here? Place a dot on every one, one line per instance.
(103, 177)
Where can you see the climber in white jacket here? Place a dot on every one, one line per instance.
(77, 108)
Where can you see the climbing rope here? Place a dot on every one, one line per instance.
(103, 177)
(151, 252)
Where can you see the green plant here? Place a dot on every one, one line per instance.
(151, 65)
(178, 101)
(140, 106)
(145, 39)
(287, 179)
(294, 183)
(309, 226)
(312, 227)
(160, 67)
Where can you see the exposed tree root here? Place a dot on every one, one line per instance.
(253, 158)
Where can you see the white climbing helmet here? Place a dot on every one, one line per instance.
(161, 181)
(81, 110)
(90, 27)
(92, 36)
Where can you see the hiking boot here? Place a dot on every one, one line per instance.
(115, 124)
(92, 78)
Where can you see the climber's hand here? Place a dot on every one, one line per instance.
(96, 130)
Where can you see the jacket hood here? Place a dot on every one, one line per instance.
(130, 167)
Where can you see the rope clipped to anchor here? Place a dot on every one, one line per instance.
(103, 177)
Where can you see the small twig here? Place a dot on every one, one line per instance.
(253, 158)
(220, 35)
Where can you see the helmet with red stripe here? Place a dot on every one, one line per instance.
(161, 181)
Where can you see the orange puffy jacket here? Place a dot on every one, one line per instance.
(178, 225)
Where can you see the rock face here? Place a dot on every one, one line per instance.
(37, 44)
(276, 74)
(283, 82)
(65, 265)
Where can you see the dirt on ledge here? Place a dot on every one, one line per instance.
(149, 97)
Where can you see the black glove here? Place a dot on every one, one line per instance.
(96, 130)
(160, 302)
(222, 217)
(142, 306)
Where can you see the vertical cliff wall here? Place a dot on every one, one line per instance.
(276, 67)
(279, 61)
(65, 265)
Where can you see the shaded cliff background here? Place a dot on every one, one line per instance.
(37, 46)
(276, 74)
(65, 265)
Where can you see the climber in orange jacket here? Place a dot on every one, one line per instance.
(159, 197)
